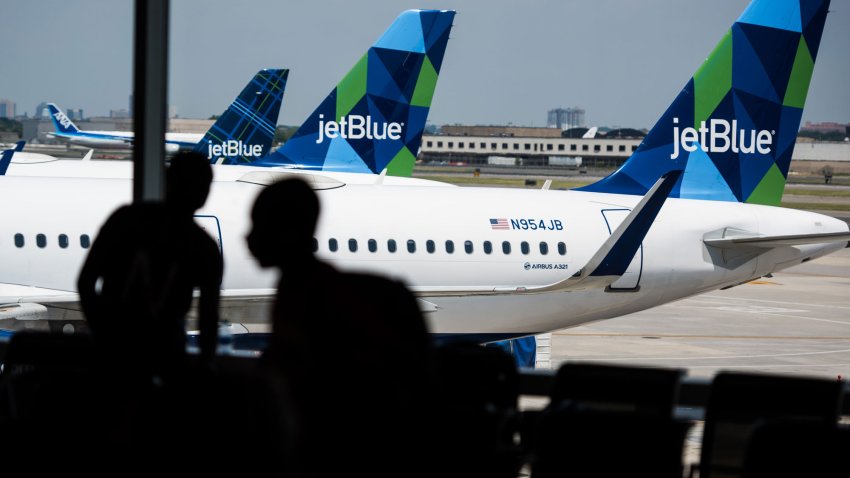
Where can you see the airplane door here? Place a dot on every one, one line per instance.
(630, 282)
(211, 226)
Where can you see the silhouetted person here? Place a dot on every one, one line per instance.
(136, 284)
(353, 349)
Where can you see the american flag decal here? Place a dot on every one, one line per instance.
(500, 223)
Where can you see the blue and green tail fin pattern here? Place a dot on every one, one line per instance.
(374, 118)
(732, 129)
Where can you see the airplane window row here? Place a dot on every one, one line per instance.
(62, 240)
(431, 246)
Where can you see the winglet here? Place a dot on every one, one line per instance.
(5, 160)
(19, 146)
(88, 155)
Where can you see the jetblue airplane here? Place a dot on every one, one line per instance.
(243, 133)
(371, 122)
(693, 210)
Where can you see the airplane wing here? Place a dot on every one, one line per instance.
(770, 242)
(605, 266)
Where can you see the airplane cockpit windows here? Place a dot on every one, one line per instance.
(506, 247)
(372, 245)
(411, 246)
(450, 247)
(63, 241)
(391, 245)
(19, 240)
(333, 245)
(488, 247)
(85, 241)
(352, 245)
(41, 240)
(429, 246)
(544, 248)
(467, 246)
(523, 246)
(562, 249)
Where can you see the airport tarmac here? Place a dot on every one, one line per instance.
(796, 322)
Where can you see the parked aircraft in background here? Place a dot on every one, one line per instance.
(686, 214)
(242, 133)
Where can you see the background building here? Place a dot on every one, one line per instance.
(7, 108)
(565, 118)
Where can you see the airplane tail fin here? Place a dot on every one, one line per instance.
(244, 132)
(733, 127)
(374, 118)
(61, 122)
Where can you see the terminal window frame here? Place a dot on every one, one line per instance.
(573, 147)
(516, 146)
(560, 147)
(622, 148)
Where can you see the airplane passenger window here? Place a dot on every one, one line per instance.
(315, 245)
(411, 246)
(429, 246)
(506, 247)
(373, 245)
(544, 248)
(562, 249)
(524, 247)
(85, 241)
(352, 245)
(391, 245)
(450, 247)
(467, 246)
(63, 241)
(488, 247)
(19, 240)
(41, 240)
(332, 245)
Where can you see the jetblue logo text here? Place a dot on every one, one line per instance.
(719, 136)
(62, 119)
(357, 127)
(537, 224)
(232, 148)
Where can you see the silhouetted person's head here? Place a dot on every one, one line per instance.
(284, 219)
(187, 181)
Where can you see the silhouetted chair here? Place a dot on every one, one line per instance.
(610, 421)
(787, 447)
(479, 411)
(41, 368)
(739, 402)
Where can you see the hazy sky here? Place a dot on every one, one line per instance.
(507, 61)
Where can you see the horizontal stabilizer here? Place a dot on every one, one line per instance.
(770, 242)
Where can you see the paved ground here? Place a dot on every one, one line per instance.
(797, 322)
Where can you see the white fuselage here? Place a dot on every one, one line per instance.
(124, 139)
(673, 262)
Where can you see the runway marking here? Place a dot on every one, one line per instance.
(807, 304)
(721, 357)
(698, 336)
(842, 364)
(807, 318)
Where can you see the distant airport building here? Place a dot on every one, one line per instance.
(565, 118)
(75, 114)
(508, 131)
(7, 108)
(825, 127)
